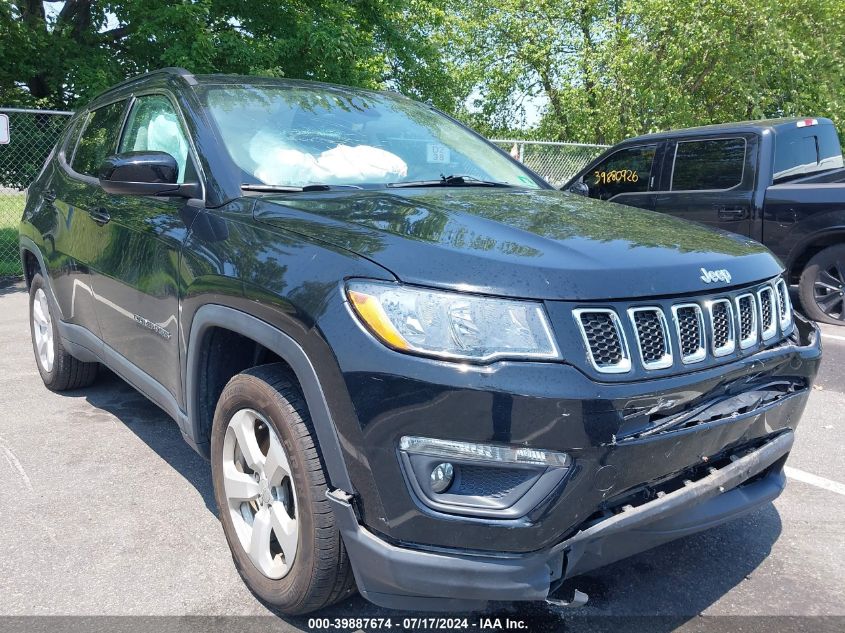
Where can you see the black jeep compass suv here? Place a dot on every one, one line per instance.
(415, 367)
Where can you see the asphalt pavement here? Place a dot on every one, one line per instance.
(107, 512)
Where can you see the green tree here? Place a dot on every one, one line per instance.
(607, 69)
(60, 53)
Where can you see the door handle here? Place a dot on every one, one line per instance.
(732, 214)
(100, 216)
(49, 195)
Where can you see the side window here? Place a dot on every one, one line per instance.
(154, 126)
(71, 137)
(711, 164)
(801, 151)
(626, 171)
(829, 145)
(99, 138)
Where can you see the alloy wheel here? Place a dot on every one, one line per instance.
(43, 330)
(829, 290)
(260, 493)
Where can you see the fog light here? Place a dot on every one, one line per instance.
(468, 451)
(441, 477)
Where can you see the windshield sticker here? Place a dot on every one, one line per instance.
(437, 153)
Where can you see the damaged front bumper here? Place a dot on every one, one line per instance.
(427, 579)
(652, 462)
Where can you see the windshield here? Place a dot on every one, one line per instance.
(295, 136)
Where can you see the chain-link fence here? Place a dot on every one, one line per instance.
(32, 134)
(26, 138)
(556, 162)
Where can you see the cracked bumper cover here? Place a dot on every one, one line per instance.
(446, 580)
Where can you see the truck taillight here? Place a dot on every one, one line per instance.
(807, 122)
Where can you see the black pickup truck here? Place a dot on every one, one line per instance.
(780, 182)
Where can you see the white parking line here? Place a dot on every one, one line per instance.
(814, 480)
(833, 336)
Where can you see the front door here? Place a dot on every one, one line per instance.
(137, 279)
(710, 181)
(75, 238)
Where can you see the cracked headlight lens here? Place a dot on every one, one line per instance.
(452, 324)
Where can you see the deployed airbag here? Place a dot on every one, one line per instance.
(277, 162)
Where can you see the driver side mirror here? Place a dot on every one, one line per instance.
(580, 187)
(145, 174)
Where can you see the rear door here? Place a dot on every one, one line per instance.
(806, 152)
(137, 278)
(710, 180)
(626, 176)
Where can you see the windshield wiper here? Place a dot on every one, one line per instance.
(294, 189)
(450, 181)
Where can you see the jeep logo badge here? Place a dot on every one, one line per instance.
(709, 276)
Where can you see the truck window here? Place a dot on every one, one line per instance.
(99, 139)
(626, 171)
(708, 164)
(806, 150)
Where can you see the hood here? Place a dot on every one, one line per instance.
(541, 244)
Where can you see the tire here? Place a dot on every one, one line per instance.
(822, 286)
(59, 370)
(261, 412)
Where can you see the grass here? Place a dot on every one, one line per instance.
(11, 209)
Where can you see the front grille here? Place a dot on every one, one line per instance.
(652, 336)
(747, 314)
(706, 327)
(605, 340)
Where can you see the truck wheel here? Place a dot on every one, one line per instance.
(270, 487)
(822, 286)
(59, 370)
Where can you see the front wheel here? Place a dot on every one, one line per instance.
(270, 487)
(822, 286)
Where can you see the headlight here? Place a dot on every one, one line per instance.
(451, 324)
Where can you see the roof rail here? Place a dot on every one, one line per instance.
(170, 70)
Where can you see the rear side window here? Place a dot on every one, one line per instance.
(830, 148)
(99, 139)
(710, 164)
(806, 150)
(625, 171)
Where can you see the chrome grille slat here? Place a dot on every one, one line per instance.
(784, 305)
(605, 339)
(768, 322)
(689, 327)
(652, 337)
(722, 327)
(746, 311)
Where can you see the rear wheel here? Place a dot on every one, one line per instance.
(59, 370)
(822, 286)
(270, 487)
